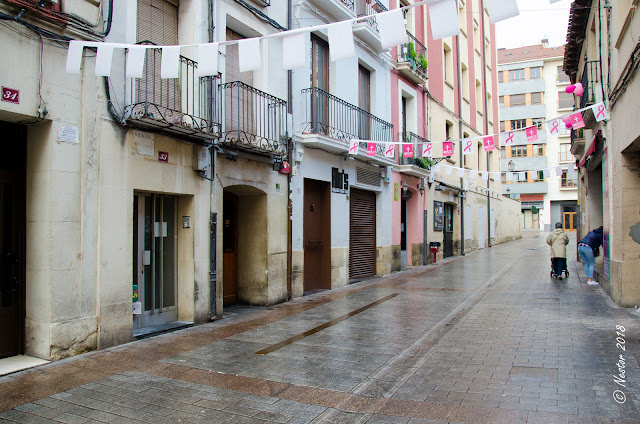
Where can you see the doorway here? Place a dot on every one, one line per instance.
(569, 218)
(155, 258)
(317, 236)
(230, 249)
(448, 230)
(362, 234)
(12, 240)
(404, 257)
(319, 80)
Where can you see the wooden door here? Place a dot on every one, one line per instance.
(317, 236)
(362, 234)
(448, 231)
(364, 100)
(569, 221)
(230, 248)
(12, 241)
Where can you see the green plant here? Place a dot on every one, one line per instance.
(424, 163)
(425, 62)
(412, 50)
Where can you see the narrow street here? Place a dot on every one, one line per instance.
(485, 338)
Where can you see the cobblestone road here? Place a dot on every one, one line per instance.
(486, 338)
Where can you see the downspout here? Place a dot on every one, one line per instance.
(486, 124)
(289, 149)
(213, 216)
(460, 147)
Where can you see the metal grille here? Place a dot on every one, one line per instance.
(368, 177)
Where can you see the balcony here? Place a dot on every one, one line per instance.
(412, 62)
(330, 123)
(254, 121)
(367, 29)
(592, 91)
(415, 166)
(577, 142)
(340, 10)
(175, 106)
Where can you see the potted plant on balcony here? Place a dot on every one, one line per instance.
(424, 163)
(412, 54)
(422, 63)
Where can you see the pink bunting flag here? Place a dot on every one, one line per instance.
(576, 120)
(467, 148)
(447, 148)
(488, 143)
(532, 134)
(354, 146)
(371, 149)
(407, 150)
(427, 149)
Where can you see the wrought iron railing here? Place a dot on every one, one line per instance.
(329, 115)
(577, 135)
(589, 82)
(349, 4)
(253, 119)
(370, 7)
(415, 53)
(179, 102)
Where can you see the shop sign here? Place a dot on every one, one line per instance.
(339, 181)
(10, 95)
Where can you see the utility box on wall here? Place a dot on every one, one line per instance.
(201, 158)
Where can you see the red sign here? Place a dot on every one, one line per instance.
(284, 168)
(163, 157)
(10, 95)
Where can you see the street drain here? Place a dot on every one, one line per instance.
(533, 374)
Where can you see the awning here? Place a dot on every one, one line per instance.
(589, 152)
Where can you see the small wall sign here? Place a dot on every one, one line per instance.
(163, 157)
(10, 95)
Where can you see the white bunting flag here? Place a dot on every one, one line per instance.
(249, 52)
(570, 172)
(467, 147)
(135, 61)
(460, 172)
(499, 10)
(522, 176)
(473, 174)
(293, 51)
(170, 63)
(436, 167)
(208, 59)
(600, 112)
(546, 173)
(448, 170)
(553, 126)
(553, 1)
(393, 31)
(484, 176)
(74, 56)
(558, 171)
(341, 44)
(103, 60)
(354, 146)
(443, 15)
(509, 176)
(389, 149)
(427, 150)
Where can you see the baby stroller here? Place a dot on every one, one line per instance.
(553, 270)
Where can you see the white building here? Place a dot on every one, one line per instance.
(532, 91)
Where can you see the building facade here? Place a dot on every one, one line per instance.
(532, 91)
(600, 54)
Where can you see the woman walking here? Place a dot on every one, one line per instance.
(558, 241)
(588, 249)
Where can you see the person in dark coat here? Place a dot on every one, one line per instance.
(588, 249)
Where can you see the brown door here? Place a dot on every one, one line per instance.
(320, 80)
(12, 240)
(448, 231)
(362, 234)
(317, 236)
(230, 249)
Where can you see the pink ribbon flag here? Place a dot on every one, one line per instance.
(532, 134)
(488, 143)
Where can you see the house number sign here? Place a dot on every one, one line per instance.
(10, 95)
(163, 157)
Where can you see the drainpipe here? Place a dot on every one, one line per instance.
(290, 157)
(460, 147)
(213, 216)
(486, 125)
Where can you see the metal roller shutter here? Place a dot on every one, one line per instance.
(362, 235)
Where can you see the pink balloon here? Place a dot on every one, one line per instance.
(566, 119)
(570, 88)
(579, 91)
(568, 124)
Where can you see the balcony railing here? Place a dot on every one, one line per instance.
(415, 53)
(589, 82)
(370, 7)
(176, 105)
(253, 120)
(349, 4)
(329, 115)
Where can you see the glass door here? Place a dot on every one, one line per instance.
(155, 241)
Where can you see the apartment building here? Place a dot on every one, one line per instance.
(601, 54)
(532, 91)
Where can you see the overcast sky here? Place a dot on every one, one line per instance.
(537, 19)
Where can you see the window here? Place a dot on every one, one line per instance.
(500, 76)
(476, 36)
(536, 98)
(479, 98)
(448, 64)
(465, 82)
(521, 175)
(518, 151)
(516, 75)
(536, 73)
(566, 182)
(464, 157)
(501, 100)
(538, 150)
(489, 108)
(539, 177)
(448, 130)
(503, 153)
(502, 127)
(565, 152)
(462, 16)
(537, 122)
(517, 124)
(517, 100)
(562, 77)
(565, 100)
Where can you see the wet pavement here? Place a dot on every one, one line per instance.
(485, 338)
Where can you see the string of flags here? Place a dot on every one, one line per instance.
(443, 15)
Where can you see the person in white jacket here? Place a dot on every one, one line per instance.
(558, 241)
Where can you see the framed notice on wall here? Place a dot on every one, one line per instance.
(438, 216)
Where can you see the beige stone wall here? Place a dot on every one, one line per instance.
(384, 260)
(339, 267)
